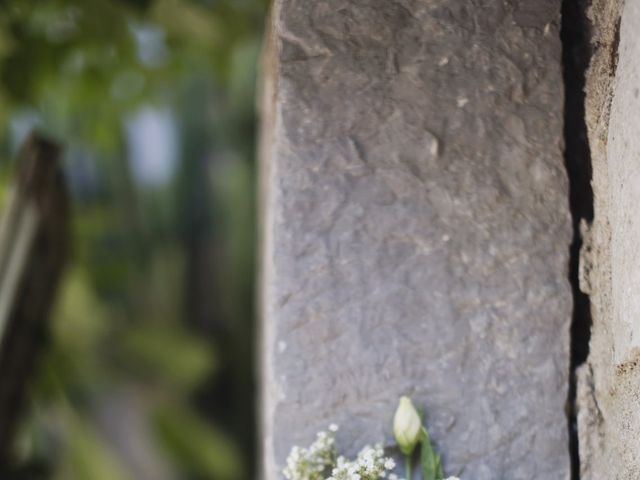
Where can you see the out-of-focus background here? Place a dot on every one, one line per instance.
(149, 369)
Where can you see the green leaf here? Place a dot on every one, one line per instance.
(439, 472)
(431, 468)
(146, 347)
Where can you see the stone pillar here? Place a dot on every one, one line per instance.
(609, 384)
(416, 230)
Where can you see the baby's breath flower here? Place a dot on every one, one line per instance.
(312, 463)
(370, 464)
(320, 459)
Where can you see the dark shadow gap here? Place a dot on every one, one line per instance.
(576, 54)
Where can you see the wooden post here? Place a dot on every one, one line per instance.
(33, 250)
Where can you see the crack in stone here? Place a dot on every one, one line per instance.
(576, 53)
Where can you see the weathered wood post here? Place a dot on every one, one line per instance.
(33, 250)
(416, 229)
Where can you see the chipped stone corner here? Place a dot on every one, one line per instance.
(586, 258)
(589, 420)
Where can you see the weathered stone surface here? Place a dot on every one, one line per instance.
(609, 384)
(416, 229)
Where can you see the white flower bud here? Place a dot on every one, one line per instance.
(406, 426)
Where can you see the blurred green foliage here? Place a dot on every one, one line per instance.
(149, 372)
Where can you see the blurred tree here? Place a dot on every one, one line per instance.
(126, 335)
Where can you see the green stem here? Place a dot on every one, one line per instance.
(408, 466)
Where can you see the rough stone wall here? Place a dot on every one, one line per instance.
(416, 229)
(609, 384)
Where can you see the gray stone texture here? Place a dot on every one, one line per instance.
(416, 229)
(609, 384)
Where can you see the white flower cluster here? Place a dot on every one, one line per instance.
(315, 462)
(371, 464)
(312, 463)
(393, 476)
